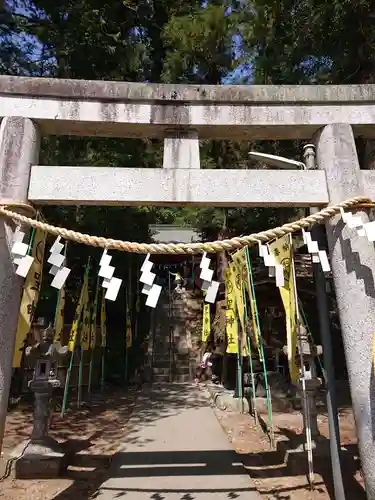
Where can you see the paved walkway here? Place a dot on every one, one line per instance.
(176, 450)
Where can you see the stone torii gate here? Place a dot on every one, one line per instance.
(329, 116)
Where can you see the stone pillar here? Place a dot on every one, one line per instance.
(181, 150)
(19, 148)
(41, 414)
(353, 267)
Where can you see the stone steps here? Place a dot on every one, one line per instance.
(169, 350)
(158, 378)
(176, 365)
(158, 370)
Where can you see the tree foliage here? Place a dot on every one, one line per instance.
(180, 41)
(169, 41)
(295, 42)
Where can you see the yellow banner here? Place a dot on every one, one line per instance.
(60, 315)
(231, 322)
(240, 261)
(86, 323)
(93, 320)
(30, 295)
(237, 286)
(206, 323)
(103, 321)
(282, 251)
(129, 335)
(242, 265)
(78, 313)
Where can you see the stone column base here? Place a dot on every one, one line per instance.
(42, 460)
(295, 455)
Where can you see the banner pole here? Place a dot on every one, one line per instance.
(72, 344)
(82, 350)
(67, 382)
(239, 368)
(93, 336)
(103, 330)
(80, 376)
(90, 374)
(253, 393)
(103, 369)
(267, 387)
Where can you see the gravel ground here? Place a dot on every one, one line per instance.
(276, 480)
(92, 433)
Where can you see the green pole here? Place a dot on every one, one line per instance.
(67, 382)
(69, 372)
(251, 364)
(192, 271)
(126, 368)
(103, 331)
(103, 369)
(82, 353)
(93, 325)
(80, 376)
(57, 307)
(128, 294)
(268, 392)
(90, 373)
(239, 368)
(126, 339)
(136, 306)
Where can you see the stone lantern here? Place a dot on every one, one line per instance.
(41, 456)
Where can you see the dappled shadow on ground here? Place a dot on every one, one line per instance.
(278, 463)
(93, 433)
(95, 429)
(18, 426)
(104, 415)
(154, 474)
(167, 400)
(107, 414)
(221, 472)
(279, 477)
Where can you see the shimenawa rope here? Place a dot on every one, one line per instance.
(235, 243)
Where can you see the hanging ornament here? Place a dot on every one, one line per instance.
(212, 292)
(210, 286)
(110, 282)
(147, 278)
(153, 296)
(275, 270)
(22, 260)
(58, 269)
(318, 256)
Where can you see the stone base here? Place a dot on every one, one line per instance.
(295, 454)
(43, 460)
(225, 400)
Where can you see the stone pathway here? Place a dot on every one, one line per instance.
(176, 450)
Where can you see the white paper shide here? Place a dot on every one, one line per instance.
(57, 260)
(210, 286)
(110, 282)
(20, 250)
(317, 255)
(147, 278)
(274, 270)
